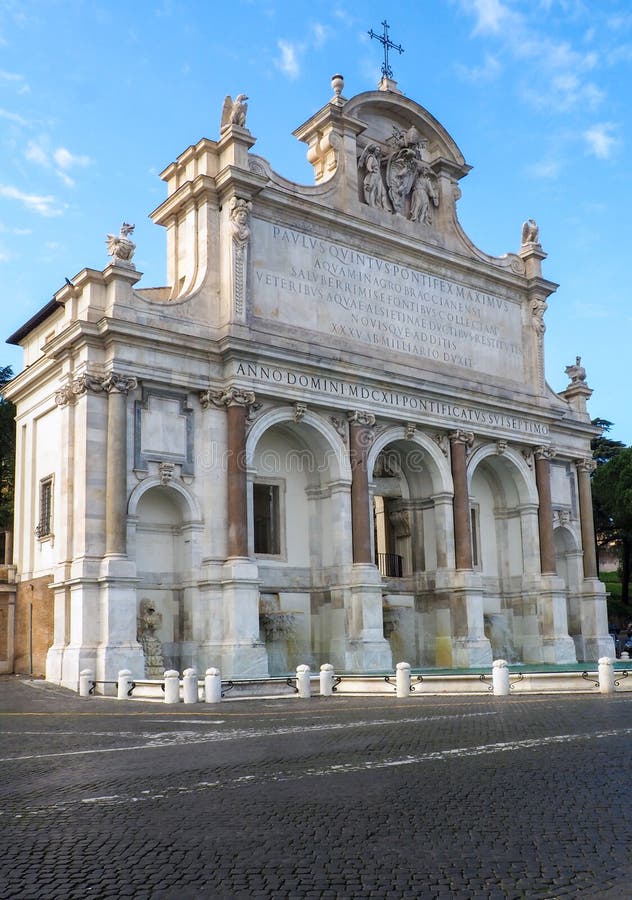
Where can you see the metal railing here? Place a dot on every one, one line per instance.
(390, 565)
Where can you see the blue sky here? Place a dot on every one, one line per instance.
(97, 98)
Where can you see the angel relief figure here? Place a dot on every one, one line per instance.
(374, 190)
(423, 196)
(234, 111)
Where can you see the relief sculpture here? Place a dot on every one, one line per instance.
(399, 180)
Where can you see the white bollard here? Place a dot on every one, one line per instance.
(213, 686)
(190, 686)
(606, 675)
(303, 683)
(326, 680)
(402, 680)
(500, 678)
(124, 681)
(172, 686)
(85, 681)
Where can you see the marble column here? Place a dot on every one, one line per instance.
(545, 509)
(237, 645)
(584, 468)
(459, 441)
(117, 387)
(237, 497)
(238, 403)
(360, 425)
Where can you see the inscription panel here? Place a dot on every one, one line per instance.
(446, 413)
(310, 282)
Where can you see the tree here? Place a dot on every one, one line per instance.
(7, 453)
(612, 493)
(604, 448)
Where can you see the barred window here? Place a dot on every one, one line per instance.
(45, 524)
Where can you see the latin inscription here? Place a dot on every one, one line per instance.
(314, 283)
(406, 402)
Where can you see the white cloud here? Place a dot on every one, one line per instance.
(320, 34)
(61, 158)
(600, 140)
(67, 160)
(546, 168)
(288, 63)
(487, 71)
(14, 78)
(12, 117)
(491, 15)
(45, 205)
(35, 153)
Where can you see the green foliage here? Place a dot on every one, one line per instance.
(612, 499)
(604, 448)
(7, 453)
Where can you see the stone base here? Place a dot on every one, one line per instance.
(368, 656)
(558, 650)
(590, 649)
(111, 658)
(64, 663)
(470, 653)
(243, 660)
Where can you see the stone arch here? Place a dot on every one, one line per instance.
(186, 500)
(412, 503)
(439, 470)
(509, 464)
(328, 441)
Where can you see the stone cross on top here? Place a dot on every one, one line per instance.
(387, 43)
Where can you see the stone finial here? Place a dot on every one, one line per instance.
(234, 112)
(120, 247)
(337, 85)
(576, 372)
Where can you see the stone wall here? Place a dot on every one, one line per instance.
(38, 593)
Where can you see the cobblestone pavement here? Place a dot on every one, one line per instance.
(343, 797)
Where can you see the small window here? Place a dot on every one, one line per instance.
(475, 537)
(45, 525)
(267, 519)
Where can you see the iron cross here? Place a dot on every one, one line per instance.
(387, 43)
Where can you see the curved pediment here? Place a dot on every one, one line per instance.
(394, 122)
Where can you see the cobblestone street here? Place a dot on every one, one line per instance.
(352, 797)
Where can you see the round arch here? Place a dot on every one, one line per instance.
(438, 469)
(186, 500)
(510, 463)
(328, 440)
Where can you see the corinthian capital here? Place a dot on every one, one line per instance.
(230, 397)
(462, 437)
(95, 384)
(544, 452)
(357, 417)
(586, 464)
(115, 383)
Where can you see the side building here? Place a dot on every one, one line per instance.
(329, 438)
